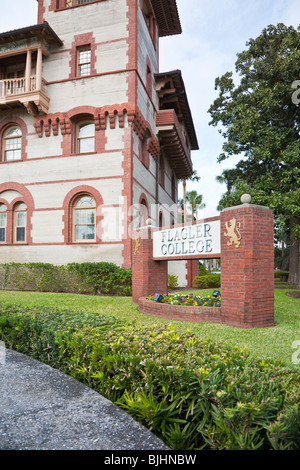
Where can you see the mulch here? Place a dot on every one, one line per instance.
(295, 295)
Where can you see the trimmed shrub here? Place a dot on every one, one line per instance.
(208, 281)
(190, 392)
(82, 278)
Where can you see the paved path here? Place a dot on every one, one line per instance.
(43, 409)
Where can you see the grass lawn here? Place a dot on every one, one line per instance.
(274, 343)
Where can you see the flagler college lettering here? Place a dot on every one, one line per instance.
(200, 239)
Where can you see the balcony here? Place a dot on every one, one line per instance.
(173, 142)
(29, 92)
(174, 123)
(21, 64)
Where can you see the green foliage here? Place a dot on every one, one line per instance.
(202, 271)
(83, 278)
(191, 392)
(172, 281)
(260, 122)
(208, 281)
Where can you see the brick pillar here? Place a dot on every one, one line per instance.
(148, 277)
(247, 267)
(192, 271)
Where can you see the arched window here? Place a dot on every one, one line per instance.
(20, 219)
(161, 176)
(12, 144)
(84, 219)
(145, 151)
(143, 212)
(160, 221)
(3, 223)
(85, 142)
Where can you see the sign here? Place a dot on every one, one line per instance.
(188, 241)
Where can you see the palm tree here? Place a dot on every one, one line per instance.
(193, 177)
(195, 200)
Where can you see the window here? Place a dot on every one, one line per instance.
(85, 137)
(12, 144)
(149, 81)
(143, 212)
(160, 221)
(84, 227)
(20, 216)
(84, 57)
(144, 150)
(161, 176)
(15, 80)
(3, 223)
(71, 3)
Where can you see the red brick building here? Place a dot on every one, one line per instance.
(89, 127)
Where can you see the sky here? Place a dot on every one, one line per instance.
(213, 32)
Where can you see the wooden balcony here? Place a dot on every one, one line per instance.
(173, 142)
(30, 93)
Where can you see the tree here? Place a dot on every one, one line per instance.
(195, 200)
(260, 121)
(193, 177)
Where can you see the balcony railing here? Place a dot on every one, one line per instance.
(32, 95)
(16, 86)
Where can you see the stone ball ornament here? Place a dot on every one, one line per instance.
(246, 199)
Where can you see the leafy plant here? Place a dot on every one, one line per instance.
(191, 392)
(88, 278)
(207, 281)
(172, 281)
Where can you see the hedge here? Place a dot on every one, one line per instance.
(190, 392)
(84, 278)
(207, 281)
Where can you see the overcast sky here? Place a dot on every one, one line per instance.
(214, 31)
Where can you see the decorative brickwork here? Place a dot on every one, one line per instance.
(247, 279)
(180, 312)
(27, 199)
(82, 40)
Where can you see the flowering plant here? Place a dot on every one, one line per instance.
(190, 300)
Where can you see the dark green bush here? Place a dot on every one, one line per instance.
(282, 275)
(207, 281)
(202, 271)
(84, 278)
(192, 393)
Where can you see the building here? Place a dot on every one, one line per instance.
(90, 130)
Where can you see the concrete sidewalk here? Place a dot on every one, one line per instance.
(43, 409)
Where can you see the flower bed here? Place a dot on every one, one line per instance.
(189, 300)
(181, 307)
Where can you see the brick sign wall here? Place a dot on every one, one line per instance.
(244, 235)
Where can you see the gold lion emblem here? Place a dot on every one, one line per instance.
(137, 245)
(233, 233)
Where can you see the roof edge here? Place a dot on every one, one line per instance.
(36, 27)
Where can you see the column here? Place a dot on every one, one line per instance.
(247, 266)
(39, 65)
(28, 71)
(148, 277)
